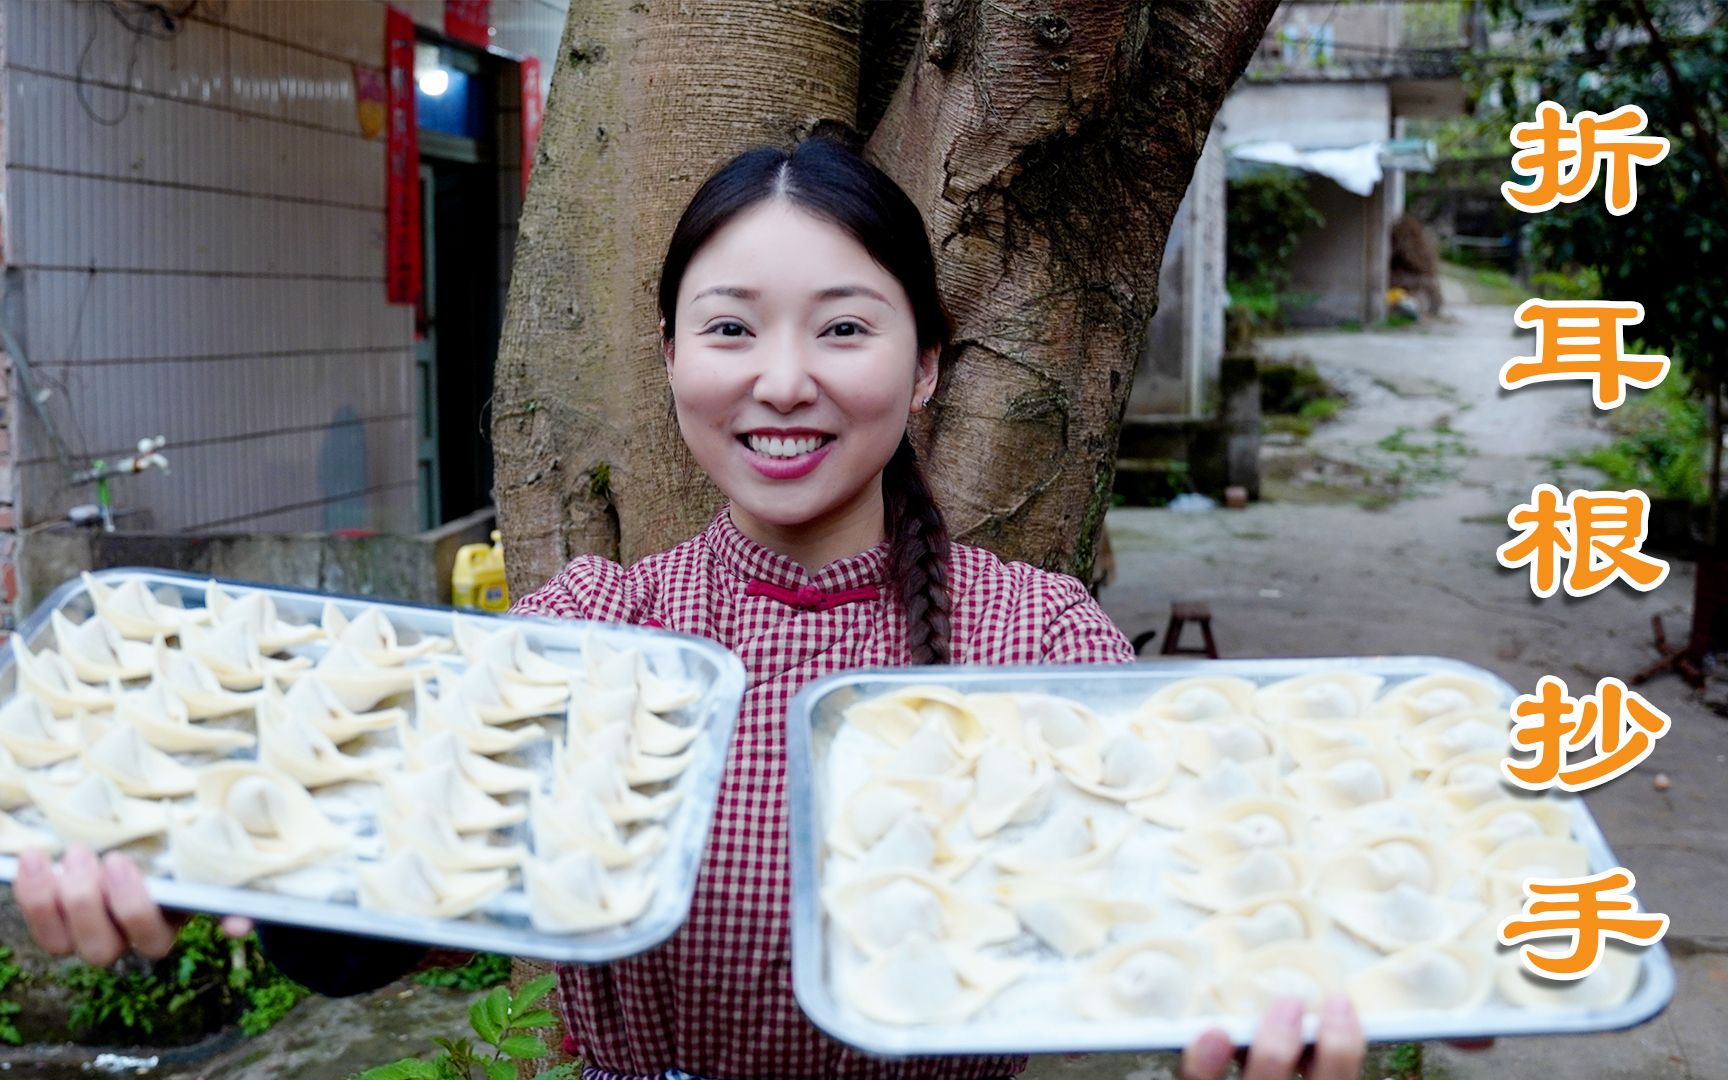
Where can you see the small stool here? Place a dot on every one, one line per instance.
(1183, 612)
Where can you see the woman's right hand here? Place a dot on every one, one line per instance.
(97, 908)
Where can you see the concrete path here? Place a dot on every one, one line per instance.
(1420, 576)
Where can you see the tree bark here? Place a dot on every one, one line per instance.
(1049, 145)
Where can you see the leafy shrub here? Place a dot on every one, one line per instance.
(1663, 448)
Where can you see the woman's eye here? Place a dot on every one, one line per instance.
(727, 329)
(847, 329)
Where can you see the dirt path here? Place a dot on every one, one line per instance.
(1329, 577)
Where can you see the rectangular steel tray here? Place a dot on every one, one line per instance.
(813, 718)
(501, 925)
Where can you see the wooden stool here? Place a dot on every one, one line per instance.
(1183, 612)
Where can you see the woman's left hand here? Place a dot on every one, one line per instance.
(1277, 1050)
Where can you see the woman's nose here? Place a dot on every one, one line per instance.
(785, 381)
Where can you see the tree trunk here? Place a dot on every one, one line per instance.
(1048, 144)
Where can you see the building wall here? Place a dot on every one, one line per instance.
(1307, 114)
(195, 238)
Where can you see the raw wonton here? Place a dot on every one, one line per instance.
(879, 912)
(96, 652)
(575, 821)
(1208, 698)
(371, 636)
(291, 744)
(216, 848)
(1154, 978)
(161, 717)
(433, 714)
(447, 793)
(17, 838)
(192, 681)
(48, 678)
(507, 651)
(233, 655)
(1070, 917)
(573, 893)
(93, 812)
(921, 981)
(34, 737)
(1439, 977)
(256, 611)
(123, 755)
(277, 811)
(1329, 695)
(407, 883)
(132, 610)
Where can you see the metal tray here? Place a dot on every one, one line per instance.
(815, 715)
(501, 925)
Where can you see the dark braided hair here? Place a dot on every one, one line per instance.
(828, 178)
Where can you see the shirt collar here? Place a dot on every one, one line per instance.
(754, 562)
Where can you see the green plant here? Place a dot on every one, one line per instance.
(206, 981)
(9, 972)
(501, 1021)
(483, 972)
(1663, 443)
(1266, 214)
(1405, 1061)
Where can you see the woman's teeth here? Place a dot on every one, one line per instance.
(786, 448)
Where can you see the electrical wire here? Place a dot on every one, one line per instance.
(142, 20)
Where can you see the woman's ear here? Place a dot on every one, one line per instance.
(666, 348)
(924, 385)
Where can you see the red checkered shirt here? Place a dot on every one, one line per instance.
(716, 999)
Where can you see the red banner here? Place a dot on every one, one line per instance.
(469, 21)
(532, 110)
(402, 269)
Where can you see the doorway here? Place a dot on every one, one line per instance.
(460, 313)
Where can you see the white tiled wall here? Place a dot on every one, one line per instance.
(197, 248)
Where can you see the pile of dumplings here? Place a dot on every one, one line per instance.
(1004, 858)
(338, 761)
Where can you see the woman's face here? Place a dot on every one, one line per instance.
(794, 365)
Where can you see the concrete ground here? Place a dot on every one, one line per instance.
(1317, 574)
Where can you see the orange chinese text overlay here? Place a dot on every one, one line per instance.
(1583, 339)
(1589, 910)
(1618, 726)
(1564, 159)
(1597, 534)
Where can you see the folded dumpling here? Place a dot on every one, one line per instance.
(1436, 977)
(32, 734)
(895, 717)
(573, 893)
(914, 842)
(234, 656)
(507, 651)
(434, 837)
(1434, 742)
(498, 701)
(1328, 695)
(879, 912)
(619, 744)
(48, 678)
(1132, 766)
(215, 848)
(122, 754)
(1064, 733)
(371, 636)
(360, 684)
(1153, 978)
(1299, 969)
(310, 700)
(407, 883)
(920, 981)
(1608, 987)
(96, 652)
(1070, 917)
(1068, 842)
(1205, 746)
(1428, 696)
(1303, 741)
(95, 813)
(16, 838)
(12, 777)
(428, 751)
(1516, 861)
(1243, 826)
(866, 814)
(256, 612)
(1344, 781)
(292, 745)
(1492, 825)
(131, 609)
(1399, 917)
(603, 778)
(929, 752)
(1208, 698)
(1389, 860)
(446, 792)
(450, 713)
(1232, 882)
(277, 811)
(1264, 920)
(1190, 800)
(192, 681)
(1011, 788)
(575, 821)
(1470, 780)
(162, 718)
(609, 667)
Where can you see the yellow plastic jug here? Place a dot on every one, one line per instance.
(478, 578)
